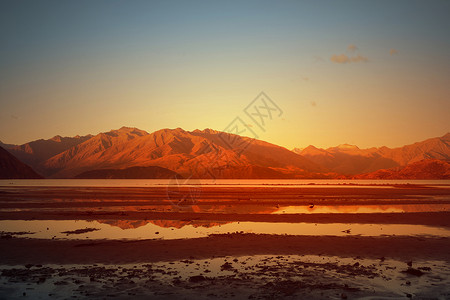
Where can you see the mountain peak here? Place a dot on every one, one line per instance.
(311, 147)
(56, 138)
(347, 147)
(126, 130)
(297, 150)
(207, 131)
(210, 131)
(312, 150)
(169, 131)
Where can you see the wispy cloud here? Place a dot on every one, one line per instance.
(393, 51)
(352, 48)
(344, 58)
(340, 59)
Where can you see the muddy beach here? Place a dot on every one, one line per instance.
(326, 242)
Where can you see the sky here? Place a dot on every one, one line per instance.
(369, 73)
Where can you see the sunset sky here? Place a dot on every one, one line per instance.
(369, 73)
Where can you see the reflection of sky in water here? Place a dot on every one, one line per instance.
(360, 209)
(167, 229)
(253, 208)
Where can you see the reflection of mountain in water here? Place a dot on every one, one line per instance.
(218, 209)
(132, 224)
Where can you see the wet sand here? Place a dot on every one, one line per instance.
(38, 251)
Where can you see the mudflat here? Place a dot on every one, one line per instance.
(237, 265)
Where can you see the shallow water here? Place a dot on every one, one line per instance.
(363, 209)
(98, 206)
(257, 277)
(167, 229)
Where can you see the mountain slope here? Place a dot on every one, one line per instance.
(434, 148)
(201, 154)
(350, 160)
(424, 169)
(99, 152)
(7, 146)
(35, 152)
(12, 168)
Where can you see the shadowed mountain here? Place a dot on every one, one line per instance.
(36, 152)
(350, 160)
(12, 168)
(7, 146)
(200, 154)
(424, 169)
(152, 172)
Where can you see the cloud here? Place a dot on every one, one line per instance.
(345, 59)
(340, 59)
(313, 103)
(352, 48)
(393, 51)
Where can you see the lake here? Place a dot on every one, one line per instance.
(218, 182)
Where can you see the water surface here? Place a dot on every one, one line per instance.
(217, 182)
(176, 229)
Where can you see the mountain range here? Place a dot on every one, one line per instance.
(134, 153)
(350, 160)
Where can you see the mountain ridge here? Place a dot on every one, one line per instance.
(181, 151)
(423, 169)
(35, 152)
(209, 153)
(351, 160)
